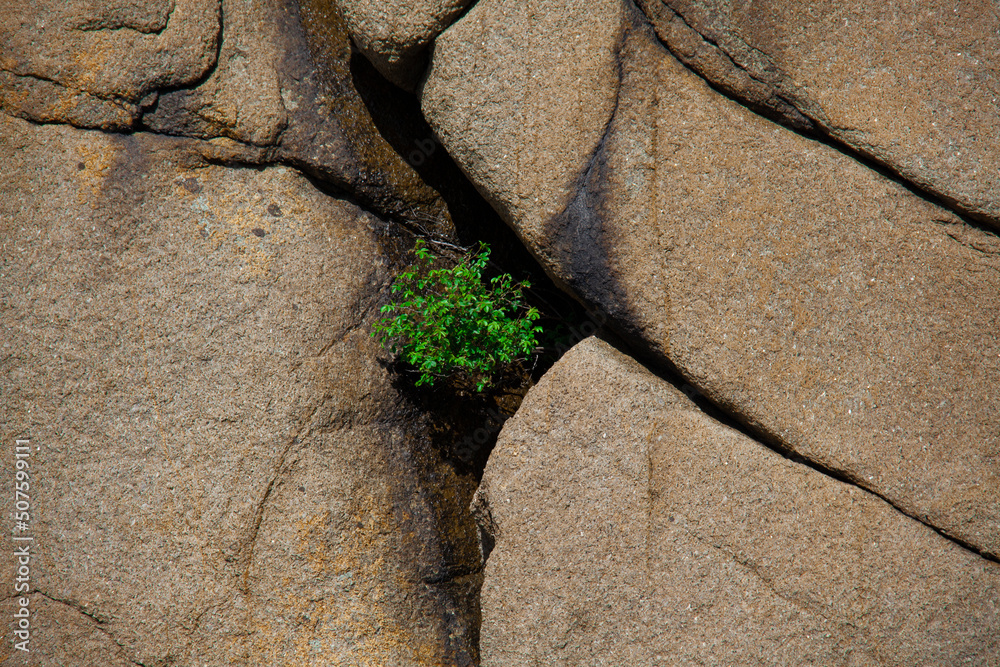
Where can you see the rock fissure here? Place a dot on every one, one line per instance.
(99, 622)
(735, 420)
(824, 129)
(118, 101)
(846, 478)
(776, 114)
(746, 553)
(279, 492)
(452, 575)
(962, 235)
(766, 440)
(170, 15)
(357, 323)
(77, 607)
(212, 66)
(247, 551)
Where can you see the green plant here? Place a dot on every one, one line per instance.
(450, 322)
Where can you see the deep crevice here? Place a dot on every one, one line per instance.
(822, 134)
(458, 424)
(732, 418)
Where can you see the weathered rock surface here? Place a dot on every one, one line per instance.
(261, 81)
(912, 85)
(395, 35)
(821, 304)
(520, 94)
(285, 90)
(222, 472)
(242, 97)
(631, 528)
(98, 64)
(225, 474)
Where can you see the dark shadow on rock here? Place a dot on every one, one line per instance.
(579, 243)
(468, 423)
(463, 424)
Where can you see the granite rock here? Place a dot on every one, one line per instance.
(826, 307)
(910, 85)
(222, 471)
(628, 527)
(99, 64)
(395, 36)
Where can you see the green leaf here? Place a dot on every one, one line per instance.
(450, 321)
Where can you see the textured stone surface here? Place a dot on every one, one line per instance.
(632, 529)
(223, 473)
(285, 90)
(519, 94)
(97, 64)
(261, 81)
(242, 98)
(813, 299)
(395, 35)
(912, 85)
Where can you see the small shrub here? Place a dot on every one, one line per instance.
(449, 322)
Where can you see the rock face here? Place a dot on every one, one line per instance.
(98, 64)
(791, 207)
(632, 528)
(911, 85)
(516, 132)
(222, 472)
(261, 81)
(285, 90)
(395, 35)
(826, 307)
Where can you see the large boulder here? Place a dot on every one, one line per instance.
(912, 85)
(222, 473)
(520, 94)
(395, 35)
(630, 528)
(824, 306)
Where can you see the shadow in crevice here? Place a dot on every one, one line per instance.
(451, 422)
(465, 424)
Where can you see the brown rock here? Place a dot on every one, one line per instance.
(911, 85)
(222, 472)
(242, 98)
(263, 81)
(285, 91)
(96, 63)
(394, 36)
(711, 62)
(821, 304)
(632, 529)
(519, 95)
